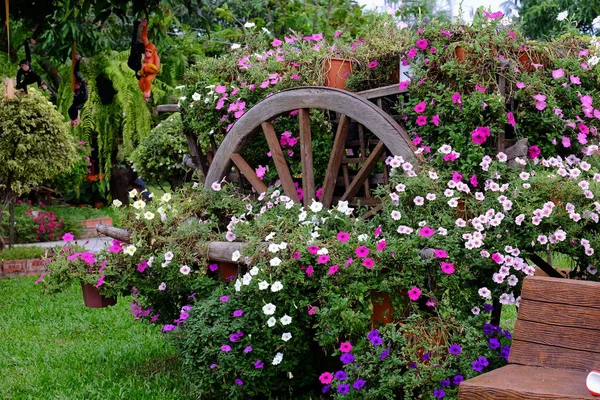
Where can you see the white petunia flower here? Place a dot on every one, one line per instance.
(286, 336)
(270, 236)
(363, 237)
(316, 206)
(117, 203)
(165, 198)
(271, 322)
(263, 285)
(286, 320)
(216, 186)
(238, 285)
(130, 250)
(148, 215)
(246, 279)
(133, 193)
(235, 46)
(185, 270)
(196, 96)
(235, 256)
(269, 309)
(254, 271)
(138, 205)
(275, 262)
(279, 356)
(562, 15)
(276, 286)
(249, 25)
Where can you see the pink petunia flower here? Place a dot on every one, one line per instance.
(68, 237)
(333, 269)
(426, 231)
(419, 108)
(414, 293)
(533, 152)
(511, 119)
(575, 80)
(276, 43)
(422, 44)
(448, 268)
(421, 120)
(313, 249)
(436, 120)
(456, 98)
(323, 259)
(381, 245)
(403, 85)
(345, 347)
(362, 251)
(373, 64)
(343, 237)
(473, 180)
(326, 378)
(558, 73)
(439, 253)
(309, 270)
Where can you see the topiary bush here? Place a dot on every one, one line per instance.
(159, 157)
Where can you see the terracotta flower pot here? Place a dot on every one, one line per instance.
(93, 299)
(227, 271)
(337, 71)
(459, 52)
(382, 308)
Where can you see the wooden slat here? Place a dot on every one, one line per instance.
(337, 152)
(306, 155)
(346, 176)
(554, 290)
(280, 164)
(559, 314)
(540, 355)
(362, 200)
(364, 172)
(167, 108)
(363, 153)
(373, 211)
(561, 336)
(248, 173)
(517, 382)
(382, 91)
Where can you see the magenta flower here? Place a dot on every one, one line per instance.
(422, 44)
(473, 180)
(170, 327)
(368, 263)
(494, 15)
(414, 293)
(566, 142)
(345, 347)
(332, 270)
(533, 152)
(239, 382)
(313, 249)
(511, 119)
(276, 43)
(521, 85)
(558, 73)
(377, 231)
(323, 259)
(68, 237)
(456, 177)
(337, 34)
(456, 98)
(220, 89)
(421, 120)
(412, 53)
(436, 119)
(100, 281)
(259, 364)
(309, 270)
(575, 80)
(426, 231)
(439, 253)
(480, 134)
(448, 268)
(238, 313)
(325, 378)
(361, 251)
(224, 299)
(381, 245)
(372, 64)
(403, 85)
(213, 267)
(419, 108)
(343, 237)
(433, 50)
(481, 89)
(226, 348)
(445, 33)
(142, 266)
(497, 258)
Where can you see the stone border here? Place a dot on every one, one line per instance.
(20, 268)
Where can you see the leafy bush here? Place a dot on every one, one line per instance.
(22, 253)
(159, 157)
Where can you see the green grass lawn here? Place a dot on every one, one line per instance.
(52, 347)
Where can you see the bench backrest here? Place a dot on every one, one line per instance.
(558, 324)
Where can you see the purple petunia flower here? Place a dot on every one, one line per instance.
(359, 384)
(505, 352)
(457, 379)
(325, 389)
(343, 389)
(426, 356)
(373, 334)
(489, 329)
(507, 334)
(239, 382)
(226, 348)
(445, 382)
(439, 393)
(238, 313)
(259, 364)
(454, 349)
(248, 349)
(384, 354)
(494, 343)
(340, 375)
(476, 366)
(376, 341)
(412, 365)
(347, 358)
(488, 307)
(213, 366)
(483, 361)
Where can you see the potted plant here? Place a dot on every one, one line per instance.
(73, 263)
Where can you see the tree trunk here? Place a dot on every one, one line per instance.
(11, 225)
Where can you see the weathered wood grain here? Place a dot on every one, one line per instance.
(559, 336)
(280, 164)
(167, 108)
(116, 233)
(353, 106)
(552, 290)
(518, 382)
(248, 173)
(364, 172)
(541, 355)
(306, 156)
(559, 314)
(337, 152)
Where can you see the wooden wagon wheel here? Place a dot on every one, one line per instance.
(392, 138)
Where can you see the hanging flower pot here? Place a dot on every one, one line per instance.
(227, 271)
(459, 52)
(383, 310)
(337, 71)
(93, 299)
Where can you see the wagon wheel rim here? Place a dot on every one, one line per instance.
(393, 139)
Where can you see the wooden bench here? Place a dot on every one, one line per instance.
(556, 343)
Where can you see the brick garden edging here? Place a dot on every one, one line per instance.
(89, 226)
(20, 268)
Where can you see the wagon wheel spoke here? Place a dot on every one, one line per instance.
(338, 151)
(280, 164)
(248, 173)
(306, 155)
(364, 171)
